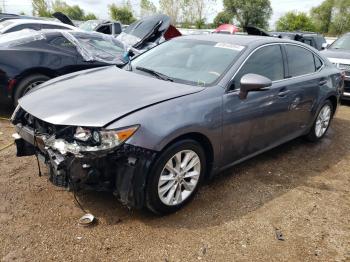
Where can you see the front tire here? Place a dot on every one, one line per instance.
(322, 122)
(175, 177)
(27, 84)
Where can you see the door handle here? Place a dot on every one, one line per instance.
(323, 82)
(283, 93)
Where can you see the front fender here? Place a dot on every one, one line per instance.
(160, 124)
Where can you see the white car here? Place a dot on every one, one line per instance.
(14, 25)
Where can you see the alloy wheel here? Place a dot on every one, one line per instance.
(179, 177)
(323, 120)
(31, 86)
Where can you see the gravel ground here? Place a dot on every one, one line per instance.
(300, 190)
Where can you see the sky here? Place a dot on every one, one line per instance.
(99, 7)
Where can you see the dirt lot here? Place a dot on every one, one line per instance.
(299, 188)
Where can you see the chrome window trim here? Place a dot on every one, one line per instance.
(277, 81)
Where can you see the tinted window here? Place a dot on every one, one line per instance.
(266, 61)
(318, 63)
(300, 61)
(62, 42)
(54, 27)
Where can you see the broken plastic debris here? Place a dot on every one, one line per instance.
(87, 220)
(279, 235)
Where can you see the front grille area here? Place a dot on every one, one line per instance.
(344, 67)
(347, 86)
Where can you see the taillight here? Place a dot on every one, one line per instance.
(10, 85)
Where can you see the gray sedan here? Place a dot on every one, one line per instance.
(176, 115)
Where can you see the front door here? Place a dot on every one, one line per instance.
(259, 121)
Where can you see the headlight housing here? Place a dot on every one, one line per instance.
(88, 140)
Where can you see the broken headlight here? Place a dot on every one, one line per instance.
(93, 140)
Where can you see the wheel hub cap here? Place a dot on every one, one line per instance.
(179, 177)
(323, 120)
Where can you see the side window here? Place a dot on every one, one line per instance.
(62, 42)
(318, 63)
(300, 61)
(266, 61)
(46, 26)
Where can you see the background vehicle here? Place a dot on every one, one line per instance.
(339, 54)
(29, 58)
(226, 29)
(315, 40)
(102, 26)
(14, 25)
(189, 108)
(6, 16)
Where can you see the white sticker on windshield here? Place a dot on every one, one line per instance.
(230, 46)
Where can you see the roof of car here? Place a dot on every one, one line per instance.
(238, 39)
(37, 21)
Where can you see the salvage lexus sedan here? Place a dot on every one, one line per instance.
(176, 115)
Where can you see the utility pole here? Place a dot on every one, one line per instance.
(3, 6)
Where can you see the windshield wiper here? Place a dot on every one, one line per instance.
(155, 73)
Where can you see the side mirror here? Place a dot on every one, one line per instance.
(324, 46)
(253, 82)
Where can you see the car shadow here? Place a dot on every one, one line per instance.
(6, 108)
(242, 189)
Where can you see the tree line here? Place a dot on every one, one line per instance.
(331, 17)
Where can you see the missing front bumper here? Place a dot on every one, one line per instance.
(123, 171)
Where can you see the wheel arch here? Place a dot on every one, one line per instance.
(33, 71)
(334, 102)
(204, 141)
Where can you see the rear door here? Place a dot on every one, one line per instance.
(305, 81)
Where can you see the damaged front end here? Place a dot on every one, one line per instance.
(86, 158)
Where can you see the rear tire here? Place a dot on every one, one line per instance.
(26, 84)
(168, 191)
(322, 122)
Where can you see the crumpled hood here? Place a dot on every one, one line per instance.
(336, 53)
(97, 97)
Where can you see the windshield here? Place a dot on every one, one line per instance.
(342, 43)
(193, 62)
(90, 25)
(97, 47)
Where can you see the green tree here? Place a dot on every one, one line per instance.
(250, 12)
(73, 12)
(121, 14)
(341, 19)
(90, 16)
(171, 8)
(294, 21)
(147, 8)
(222, 18)
(41, 8)
(322, 16)
(21, 13)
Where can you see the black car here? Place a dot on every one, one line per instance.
(29, 58)
(339, 54)
(310, 38)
